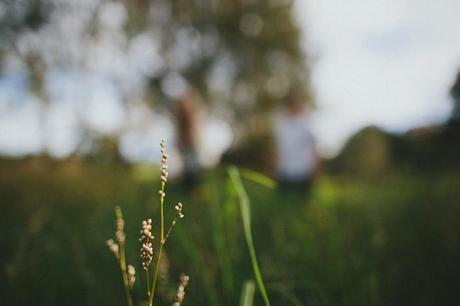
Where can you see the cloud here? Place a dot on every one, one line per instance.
(388, 63)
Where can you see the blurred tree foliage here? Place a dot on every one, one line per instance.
(368, 154)
(455, 93)
(241, 55)
(373, 152)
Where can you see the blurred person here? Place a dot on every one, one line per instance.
(297, 159)
(185, 110)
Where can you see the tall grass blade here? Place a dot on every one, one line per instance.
(218, 215)
(199, 264)
(247, 294)
(258, 178)
(246, 217)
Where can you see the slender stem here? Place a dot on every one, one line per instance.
(124, 274)
(160, 252)
(170, 228)
(155, 276)
(147, 280)
(162, 242)
(162, 217)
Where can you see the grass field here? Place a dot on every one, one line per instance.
(394, 240)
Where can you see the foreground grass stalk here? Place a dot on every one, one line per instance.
(118, 250)
(245, 209)
(125, 275)
(178, 216)
(146, 240)
(163, 180)
(155, 275)
(121, 238)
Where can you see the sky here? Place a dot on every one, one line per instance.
(373, 62)
(381, 62)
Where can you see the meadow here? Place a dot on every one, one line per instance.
(388, 240)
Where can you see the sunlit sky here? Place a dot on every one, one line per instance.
(382, 62)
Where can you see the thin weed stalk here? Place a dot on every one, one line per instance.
(146, 251)
(118, 249)
(163, 180)
(124, 274)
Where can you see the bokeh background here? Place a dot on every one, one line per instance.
(89, 87)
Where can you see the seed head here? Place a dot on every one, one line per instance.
(178, 208)
(183, 282)
(120, 226)
(113, 247)
(131, 276)
(146, 244)
(164, 163)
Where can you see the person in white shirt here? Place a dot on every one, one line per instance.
(297, 160)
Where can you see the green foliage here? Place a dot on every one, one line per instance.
(247, 295)
(390, 241)
(367, 154)
(372, 152)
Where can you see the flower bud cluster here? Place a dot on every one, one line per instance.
(120, 226)
(178, 208)
(146, 241)
(164, 163)
(131, 276)
(113, 247)
(183, 282)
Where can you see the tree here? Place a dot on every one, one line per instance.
(241, 55)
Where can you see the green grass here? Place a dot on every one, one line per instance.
(245, 208)
(390, 241)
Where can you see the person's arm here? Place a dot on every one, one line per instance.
(318, 163)
(318, 168)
